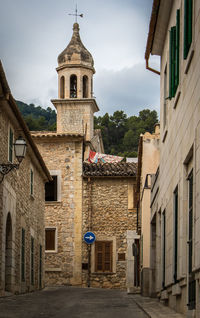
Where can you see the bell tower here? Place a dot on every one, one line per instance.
(75, 104)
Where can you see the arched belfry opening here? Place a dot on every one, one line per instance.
(85, 86)
(73, 86)
(8, 254)
(62, 87)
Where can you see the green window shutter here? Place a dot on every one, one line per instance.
(170, 64)
(23, 255)
(177, 49)
(187, 26)
(10, 157)
(189, 23)
(173, 59)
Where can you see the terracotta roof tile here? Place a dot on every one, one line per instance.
(121, 169)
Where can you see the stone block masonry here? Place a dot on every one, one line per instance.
(106, 213)
(63, 156)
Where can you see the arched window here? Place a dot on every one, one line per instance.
(73, 86)
(62, 87)
(85, 86)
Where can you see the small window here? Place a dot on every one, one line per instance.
(50, 239)
(121, 256)
(31, 181)
(32, 260)
(51, 189)
(187, 27)
(23, 255)
(10, 145)
(85, 86)
(73, 86)
(103, 256)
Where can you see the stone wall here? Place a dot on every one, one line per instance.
(63, 155)
(24, 211)
(109, 213)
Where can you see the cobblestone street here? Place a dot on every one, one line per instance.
(71, 302)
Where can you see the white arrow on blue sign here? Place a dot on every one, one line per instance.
(89, 237)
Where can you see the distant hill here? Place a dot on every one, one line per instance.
(36, 117)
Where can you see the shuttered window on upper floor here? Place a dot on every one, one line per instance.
(174, 56)
(187, 27)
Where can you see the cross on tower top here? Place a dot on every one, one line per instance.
(76, 14)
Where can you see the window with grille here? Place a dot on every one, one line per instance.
(174, 56)
(103, 256)
(50, 239)
(187, 27)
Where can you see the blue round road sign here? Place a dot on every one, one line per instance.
(89, 237)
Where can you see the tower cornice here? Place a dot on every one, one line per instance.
(75, 102)
(64, 66)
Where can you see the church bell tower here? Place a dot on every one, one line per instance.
(75, 104)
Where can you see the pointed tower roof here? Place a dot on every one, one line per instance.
(76, 53)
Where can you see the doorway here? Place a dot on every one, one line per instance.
(8, 255)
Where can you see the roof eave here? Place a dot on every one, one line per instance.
(21, 121)
(157, 27)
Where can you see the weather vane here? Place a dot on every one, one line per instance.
(76, 14)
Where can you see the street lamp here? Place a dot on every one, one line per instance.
(20, 152)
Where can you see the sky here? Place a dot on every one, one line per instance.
(34, 33)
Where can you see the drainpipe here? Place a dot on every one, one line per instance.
(149, 68)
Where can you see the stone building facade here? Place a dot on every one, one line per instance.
(109, 210)
(21, 203)
(63, 153)
(66, 209)
(174, 35)
(148, 161)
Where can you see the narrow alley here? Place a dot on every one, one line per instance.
(71, 302)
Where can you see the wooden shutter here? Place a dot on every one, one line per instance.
(50, 239)
(99, 256)
(103, 256)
